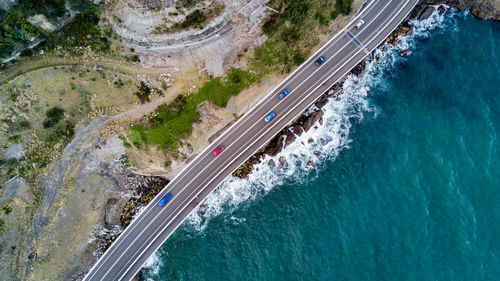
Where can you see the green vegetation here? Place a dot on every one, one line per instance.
(7, 209)
(125, 142)
(81, 32)
(40, 156)
(54, 115)
(17, 34)
(172, 122)
(291, 33)
(343, 6)
(291, 36)
(143, 92)
(194, 19)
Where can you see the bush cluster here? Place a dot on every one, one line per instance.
(16, 33)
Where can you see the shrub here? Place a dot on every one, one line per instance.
(55, 114)
(143, 92)
(193, 19)
(343, 6)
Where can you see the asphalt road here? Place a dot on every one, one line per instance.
(155, 224)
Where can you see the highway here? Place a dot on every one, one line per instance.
(155, 224)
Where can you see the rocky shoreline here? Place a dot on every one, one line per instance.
(306, 121)
(110, 194)
(150, 186)
(285, 137)
(483, 9)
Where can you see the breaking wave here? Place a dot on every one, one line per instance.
(302, 160)
(153, 265)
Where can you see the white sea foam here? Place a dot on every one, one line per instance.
(323, 141)
(153, 265)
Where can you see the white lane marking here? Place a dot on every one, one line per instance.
(187, 185)
(299, 70)
(274, 124)
(219, 173)
(252, 111)
(357, 42)
(153, 202)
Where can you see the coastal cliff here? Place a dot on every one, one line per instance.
(115, 201)
(485, 9)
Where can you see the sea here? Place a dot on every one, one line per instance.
(400, 182)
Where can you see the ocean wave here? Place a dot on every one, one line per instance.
(301, 160)
(152, 266)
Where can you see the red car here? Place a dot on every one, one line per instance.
(218, 150)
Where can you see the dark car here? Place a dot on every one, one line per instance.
(320, 60)
(165, 199)
(284, 93)
(269, 117)
(218, 150)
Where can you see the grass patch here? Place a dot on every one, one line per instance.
(172, 122)
(125, 142)
(291, 35)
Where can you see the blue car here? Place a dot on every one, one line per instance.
(320, 60)
(284, 93)
(269, 117)
(164, 200)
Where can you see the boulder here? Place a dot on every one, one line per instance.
(315, 116)
(404, 52)
(426, 13)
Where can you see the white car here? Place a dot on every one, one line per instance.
(360, 24)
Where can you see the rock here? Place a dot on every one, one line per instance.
(289, 140)
(426, 13)
(6, 4)
(32, 256)
(404, 52)
(485, 9)
(15, 151)
(203, 209)
(16, 186)
(322, 101)
(112, 211)
(297, 130)
(417, 10)
(41, 22)
(359, 68)
(315, 116)
(138, 277)
(271, 163)
(441, 9)
(410, 31)
(282, 162)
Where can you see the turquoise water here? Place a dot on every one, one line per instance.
(409, 190)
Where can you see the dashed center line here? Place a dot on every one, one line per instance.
(357, 42)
